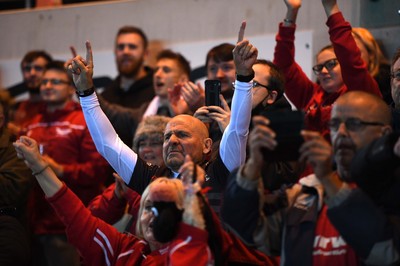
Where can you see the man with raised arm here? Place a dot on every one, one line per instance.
(184, 134)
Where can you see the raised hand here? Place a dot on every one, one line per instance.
(176, 102)
(293, 4)
(221, 115)
(191, 172)
(330, 7)
(120, 187)
(82, 70)
(293, 7)
(260, 137)
(74, 54)
(193, 94)
(244, 54)
(27, 149)
(317, 152)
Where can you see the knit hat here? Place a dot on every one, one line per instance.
(150, 127)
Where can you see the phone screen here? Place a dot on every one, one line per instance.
(287, 126)
(213, 90)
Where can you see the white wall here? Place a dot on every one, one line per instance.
(168, 23)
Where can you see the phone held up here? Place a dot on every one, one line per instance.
(212, 90)
(287, 126)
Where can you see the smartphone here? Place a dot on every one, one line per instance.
(213, 90)
(287, 125)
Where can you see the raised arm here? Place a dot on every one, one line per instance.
(27, 149)
(354, 70)
(234, 139)
(107, 142)
(298, 87)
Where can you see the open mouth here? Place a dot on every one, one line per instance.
(149, 157)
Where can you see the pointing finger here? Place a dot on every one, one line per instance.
(241, 31)
(73, 51)
(89, 54)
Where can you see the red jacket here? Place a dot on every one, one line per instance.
(308, 95)
(66, 139)
(111, 209)
(101, 244)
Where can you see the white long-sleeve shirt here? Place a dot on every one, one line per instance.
(123, 159)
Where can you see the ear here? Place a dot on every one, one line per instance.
(146, 54)
(272, 97)
(207, 146)
(387, 129)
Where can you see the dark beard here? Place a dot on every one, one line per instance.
(132, 70)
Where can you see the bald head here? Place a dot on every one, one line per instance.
(193, 124)
(373, 107)
(357, 118)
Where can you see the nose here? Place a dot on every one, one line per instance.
(173, 139)
(32, 71)
(146, 148)
(342, 129)
(324, 69)
(158, 72)
(220, 73)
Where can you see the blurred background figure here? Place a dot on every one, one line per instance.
(378, 64)
(67, 148)
(134, 84)
(15, 182)
(27, 93)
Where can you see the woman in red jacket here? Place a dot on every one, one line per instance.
(339, 67)
(101, 244)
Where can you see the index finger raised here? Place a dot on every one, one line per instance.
(241, 31)
(89, 54)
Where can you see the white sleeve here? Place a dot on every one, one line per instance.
(232, 148)
(121, 157)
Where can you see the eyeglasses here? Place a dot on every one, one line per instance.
(396, 75)
(258, 84)
(54, 81)
(352, 124)
(28, 68)
(329, 65)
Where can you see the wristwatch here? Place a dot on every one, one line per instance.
(247, 78)
(85, 92)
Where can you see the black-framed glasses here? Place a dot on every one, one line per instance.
(258, 84)
(352, 124)
(54, 81)
(28, 68)
(395, 75)
(329, 65)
